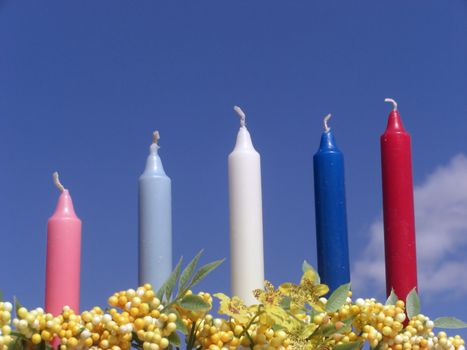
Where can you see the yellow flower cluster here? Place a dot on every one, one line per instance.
(142, 314)
(377, 322)
(5, 321)
(96, 329)
(291, 317)
(384, 325)
(36, 324)
(222, 334)
(442, 341)
(365, 320)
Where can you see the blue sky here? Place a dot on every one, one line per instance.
(84, 84)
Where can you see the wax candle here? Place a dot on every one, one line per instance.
(330, 211)
(62, 286)
(398, 208)
(155, 220)
(246, 216)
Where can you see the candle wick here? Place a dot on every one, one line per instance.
(325, 122)
(155, 137)
(241, 114)
(57, 181)
(390, 100)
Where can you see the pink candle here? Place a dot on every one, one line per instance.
(63, 255)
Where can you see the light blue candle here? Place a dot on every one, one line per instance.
(155, 221)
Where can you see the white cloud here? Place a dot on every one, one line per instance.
(441, 229)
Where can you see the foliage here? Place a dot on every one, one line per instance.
(293, 316)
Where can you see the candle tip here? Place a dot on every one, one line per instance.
(390, 100)
(57, 181)
(325, 122)
(155, 137)
(241, 114)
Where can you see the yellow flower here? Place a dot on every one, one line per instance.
(302, 337)
(268, 296)
(299, 334)
(306, 292)
(273, 312)
(234, 308)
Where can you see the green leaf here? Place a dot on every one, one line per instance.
(347, 325)
(1, 296)
(194, 303)
(160, 293)
(174, 339)
(181, 326)
(17, 344)
(17, 305)
(276, 327)
(392, 299)
(331, 329)
(173, 279)
(349, 346)
(312, 313)
(169, 284)
(308, 330)
(18, 335)
(188, 272)
(203, 271)
(327, 331)
(285, 303)
(449, 322)
(338, 298)
(412, 304)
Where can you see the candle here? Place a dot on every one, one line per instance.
(246, 216)
(63, 255)
(155, 220)
(398, 208)
(330, 209)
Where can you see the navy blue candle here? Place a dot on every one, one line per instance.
(331, 219)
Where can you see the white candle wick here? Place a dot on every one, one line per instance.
(155, 137)
(390, 100)
(57, 181)
(325, 122)
(241, 114)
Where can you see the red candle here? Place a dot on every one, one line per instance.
(63, 256)
(398, 208)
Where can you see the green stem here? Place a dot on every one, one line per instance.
(250, 339)
(245, 329)
(191, 339)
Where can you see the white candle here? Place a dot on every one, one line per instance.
(246, 216)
